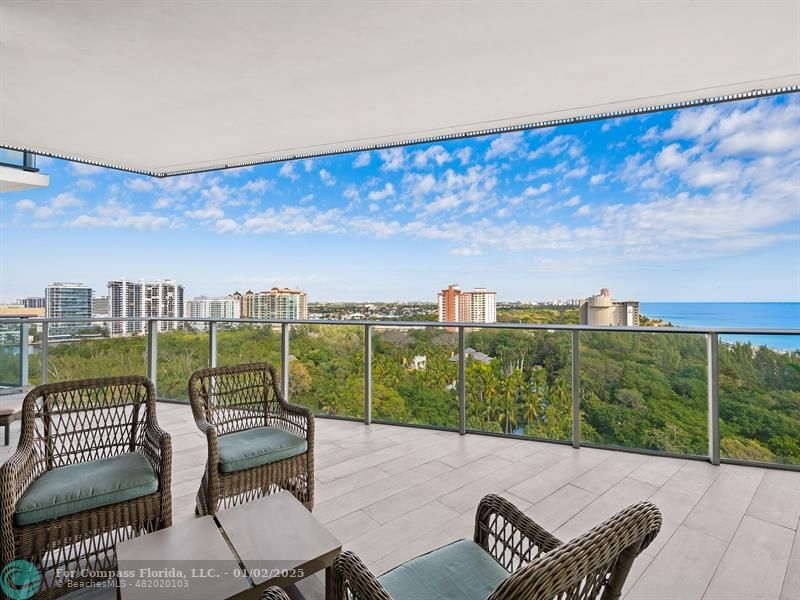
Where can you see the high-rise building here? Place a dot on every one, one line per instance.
(101, 307)
(125, 300)
(212, 308)
(67, 301)
(245, 303)
(477, 306)
(138, 299)
(602, 310)
(33, 302)
(280, 303)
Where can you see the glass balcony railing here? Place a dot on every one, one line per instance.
(726, 395)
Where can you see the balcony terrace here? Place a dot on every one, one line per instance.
(730, 531)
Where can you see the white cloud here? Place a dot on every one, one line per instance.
(560, 144)
(393, 159)
(287, 171)
(577, 172)
(419, 185)
(139, 184)
(597, 178)
(374, 207)
(294, 220)
(706, 173)
(308, 164)
(326, 177)
(464, 155)
(210, 211)
(435, 154)
(505, 144)
(573, 201)
(83, 170)
(583, 211)
(378, 195)
(84, 184)
(65, 200)
(769, 141)
(362, 159)
(25, 204)
(466, 251)
(256, 186)
(692, 123)
(225, 226)
(352, 193)
(671, 158)
(163, 202)
(532, 190)
(140, 222)
(43, 212)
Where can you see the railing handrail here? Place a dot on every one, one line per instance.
(421, 324)
(150, 325)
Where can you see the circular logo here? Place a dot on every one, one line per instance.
(20, 580)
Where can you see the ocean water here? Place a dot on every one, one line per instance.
(766, 315)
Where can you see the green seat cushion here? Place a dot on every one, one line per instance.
(84, 486)
(462, 570)
(256, 447)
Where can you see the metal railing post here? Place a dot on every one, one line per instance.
(285, 360)
(576, 389)
(212, 344)
(152, 352)
(367, 374)
(462, 384)
(24, 352)
(43, 351)
(712, 345)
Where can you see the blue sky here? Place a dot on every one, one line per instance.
(701, 204)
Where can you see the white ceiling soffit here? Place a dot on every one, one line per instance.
(169, 87)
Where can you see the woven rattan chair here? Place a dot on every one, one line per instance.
(258, 443)
(509, 558)
(92, 468)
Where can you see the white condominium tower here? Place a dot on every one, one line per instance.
(139, 299)
(280, 303)
(212, 308)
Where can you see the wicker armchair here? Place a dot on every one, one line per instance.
(510, 558)
(92, 468)
(258, 444)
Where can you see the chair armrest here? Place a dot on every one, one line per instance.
(354, 581)
(158, 449)
(510, 536)
(274, 593)
(299, 420)
(16, 475)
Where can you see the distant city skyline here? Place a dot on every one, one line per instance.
(699, 204)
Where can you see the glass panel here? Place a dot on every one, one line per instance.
(326, 368)
(182, 350)
(645, 390)
(80, 351)
(239, 344)
(759, 398)
(518, 382)
(415, 376)
(10, 355)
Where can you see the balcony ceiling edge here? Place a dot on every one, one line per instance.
(185, 87)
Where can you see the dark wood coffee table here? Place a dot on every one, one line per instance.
(238, 553)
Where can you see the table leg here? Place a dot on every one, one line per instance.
(329, 584)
